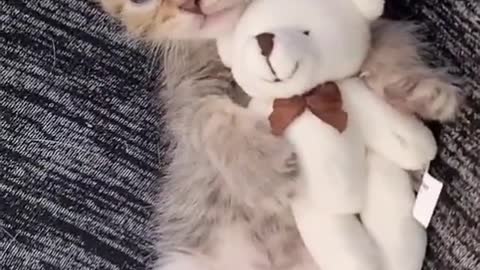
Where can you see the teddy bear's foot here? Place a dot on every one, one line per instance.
(388, 216)
(335, 241)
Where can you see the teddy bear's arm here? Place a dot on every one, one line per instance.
(332, 164)
(399, 137)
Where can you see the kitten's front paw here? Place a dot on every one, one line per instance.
(213, 6)
(286, 163)
(278, 163)
(275, 154)
(431, 98)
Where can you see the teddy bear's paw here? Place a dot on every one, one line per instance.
(411, 148)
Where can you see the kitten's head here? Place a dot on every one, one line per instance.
(159, 20)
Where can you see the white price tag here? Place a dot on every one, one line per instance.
(427, 199)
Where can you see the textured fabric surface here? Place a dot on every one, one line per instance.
(81, 148)
(454, 236)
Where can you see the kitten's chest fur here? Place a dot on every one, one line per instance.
(229, 232)
(266, 238)
(205, 215)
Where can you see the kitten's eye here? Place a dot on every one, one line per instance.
(140, 1)
(306, 33)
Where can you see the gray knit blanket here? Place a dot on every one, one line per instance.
(82, 150)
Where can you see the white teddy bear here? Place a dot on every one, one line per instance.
(299, 61)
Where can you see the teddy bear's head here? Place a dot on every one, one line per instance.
(281, 48)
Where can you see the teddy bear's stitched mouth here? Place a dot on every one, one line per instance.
(277, 80)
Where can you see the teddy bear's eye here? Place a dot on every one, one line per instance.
(306, 33)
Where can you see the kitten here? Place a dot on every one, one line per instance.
(224, 203)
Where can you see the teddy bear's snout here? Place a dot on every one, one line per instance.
(279, 57)
(265, 42)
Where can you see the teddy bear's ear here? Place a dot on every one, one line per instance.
(371, 9)
(225, 49)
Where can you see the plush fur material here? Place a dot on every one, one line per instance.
(278, 58)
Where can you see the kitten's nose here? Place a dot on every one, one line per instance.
(265, 41)
(192, 6)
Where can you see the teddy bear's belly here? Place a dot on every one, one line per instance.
(332, 163)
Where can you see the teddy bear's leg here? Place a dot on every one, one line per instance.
(335, 241)
(399, 137)
(388, 215)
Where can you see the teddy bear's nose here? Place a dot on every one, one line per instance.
(265, 41)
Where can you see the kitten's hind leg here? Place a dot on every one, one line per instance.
(395, 70)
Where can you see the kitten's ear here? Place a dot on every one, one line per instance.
(370, 9)
(225, 49)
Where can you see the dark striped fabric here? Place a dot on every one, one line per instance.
(81, 145)
(79, 139)
(454, 237)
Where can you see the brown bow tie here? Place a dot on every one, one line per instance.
(324, 101)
